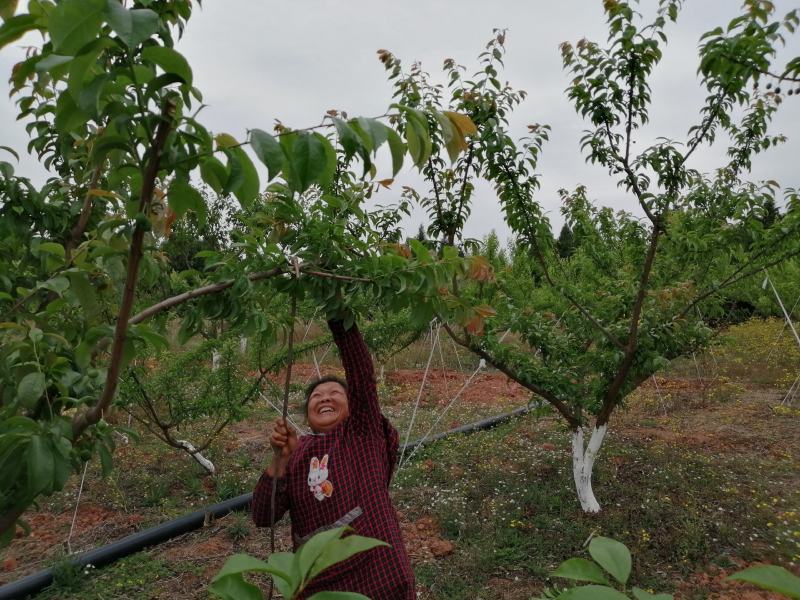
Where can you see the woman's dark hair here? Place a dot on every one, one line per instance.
(313, 385)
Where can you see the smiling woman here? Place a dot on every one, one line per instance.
(340, 475)
(326, 403)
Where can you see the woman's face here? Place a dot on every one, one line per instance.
(327, 407)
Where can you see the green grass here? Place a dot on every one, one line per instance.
(138, 577)
(511, 507)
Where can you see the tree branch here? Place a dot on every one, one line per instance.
(540, 258)
(451, 236)
(558, 404)
(212, 288)
(90, 416)
(612, 394)
(83, 219)
(735, 277)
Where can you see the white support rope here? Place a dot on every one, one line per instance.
(444, 367)
(697, 365)
(455, 351)
(299, 429)
(660, 397)
(783, 329)
(481, 365)
(75, 513)
(308, 327)
(316, 363)
(788, 399)
(786, 315)
(319, 362)
(419, 394)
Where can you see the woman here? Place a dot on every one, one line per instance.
(340, 474)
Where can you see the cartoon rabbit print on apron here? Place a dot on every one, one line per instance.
(318, 482)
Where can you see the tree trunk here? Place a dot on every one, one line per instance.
(204, 462)
(582, 464)
(216, 357)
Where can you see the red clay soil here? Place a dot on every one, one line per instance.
(442, 385)
(423, 539)
(94, 526)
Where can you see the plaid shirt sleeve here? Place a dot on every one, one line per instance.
(261, 503)
(365, 412)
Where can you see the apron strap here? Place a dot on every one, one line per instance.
(345, 520)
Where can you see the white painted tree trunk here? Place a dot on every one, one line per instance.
(204, 462)
(216, 357)
(242, 345)
(582, 464)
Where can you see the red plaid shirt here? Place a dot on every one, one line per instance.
(362, 454)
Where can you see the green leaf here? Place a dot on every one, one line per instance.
(11, 151)
(52, 248)
(771, 577)
(7, 8)
(241, 563)
(398, 150)
(106, 462)
(59, 285)
(417, 135)
(641, 594)
(51, 61)
(613, 556)
(307, 161)
(171, 61)
(247, 184)
(234, 587)
(325, 178)
(84, 291)
(592, 592)
(214, 173)
(107, 143)
(225, 141)
(149, 335)
(83, 355)
(132, 26)
(15, 27)
(348, 138)
(40, 466)
(287, 574)
(342, 549)
(309, 552)
(268, 151)
(75, 23)
(182, 197)
(338, 596)
(30, 389)
(68, 116)
(580, 569)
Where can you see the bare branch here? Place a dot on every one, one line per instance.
(212, 288)
(558, 404)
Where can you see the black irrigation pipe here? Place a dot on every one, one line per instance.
(104, 555)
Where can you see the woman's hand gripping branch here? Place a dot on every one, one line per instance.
(284, 442)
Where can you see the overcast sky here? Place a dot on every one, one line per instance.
(258, 60)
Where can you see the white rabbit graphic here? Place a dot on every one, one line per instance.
(318, 478)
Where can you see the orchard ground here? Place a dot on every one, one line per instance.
(700, 477)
